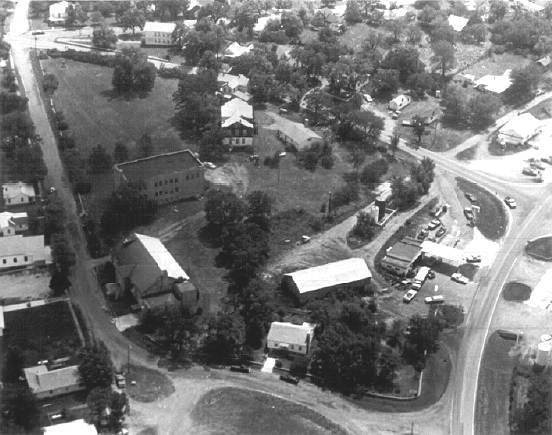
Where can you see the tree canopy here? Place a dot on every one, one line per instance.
(95, 367)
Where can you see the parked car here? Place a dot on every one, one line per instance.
(431, 274)
(289, 379)
(547, 160)
(535, 164)
(471, 198)
(209, 165)
(240, 369)
(440, 211)
(422, 234)
(529, 171)
(435, 223)
(458, 277)
(120, 380)
(441, 232)
(539, 92)
(409, 295)
(437, 299)
(468, 212)
(473, 259)
(510, 202)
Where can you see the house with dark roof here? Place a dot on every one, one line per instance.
(164, 178)
(401, 257)
(145, 268)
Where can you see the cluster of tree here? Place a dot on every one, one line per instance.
(107, 408)
(95, 367)
(317, 153)
(196, 105)
(365, 227)
(11, 102)
(126, 208)
(406, 192)
(243, 230)
(50, 84)
(281, 31)
(131, 18)
(422, 340)
(133, 72)
(533, 416)
(20, 409)
(372, 172)
(75, 15)
(460, 110)
(523, 31)
(75, 165)
(348, 355)
(525, 81)
(205, 37)
(55, 222)
(104, 37)
(99, 161)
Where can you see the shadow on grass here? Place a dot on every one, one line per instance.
(112, 94)
(209, 237)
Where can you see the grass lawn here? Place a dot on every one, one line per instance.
(467, 154)
(493, 220)
(516, 291)
(540, 248)
(150, 386)
(496, 64)
(95, 116)
(356, 34)
(233, 410)
(543, 110)
(44, 332)
(492, 406)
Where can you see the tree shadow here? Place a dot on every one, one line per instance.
(112, 94)
(209, 236)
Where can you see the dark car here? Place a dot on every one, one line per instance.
(289, 379)
(240, 369)
(441, 232)
(470, 197)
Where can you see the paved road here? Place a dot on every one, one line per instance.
(84, 291)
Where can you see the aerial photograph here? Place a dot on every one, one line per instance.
(276, 217)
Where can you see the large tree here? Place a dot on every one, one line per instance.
(443, 53)
(131, 19)
(104, 37)
(133, 72)
(99, 160)
(225, 338)
(20, 411)
(95, 367)
(405, 60)
(524, 83)
(422, 340)
(223, 209)
(482, 110)
(259, 209)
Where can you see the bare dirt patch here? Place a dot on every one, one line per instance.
(150, 385)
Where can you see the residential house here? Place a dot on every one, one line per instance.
(262, 22)
(290, 337)
(146, 269)
(164, 178)
(75, 427)
(18, 194)
(494, 84)
(295, 135)
(156, 33)
(45, 383)
(519, 130)
(230, 84)
(399, 102)
(12, 223)
(351, 274)
(545, 61)
(237, 123)
(237, 50)
(20, 251)
(58, 12)
(402, 256)
(395, 13)
(530, 6)
(457, 23)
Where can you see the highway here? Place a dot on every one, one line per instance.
(462, 390)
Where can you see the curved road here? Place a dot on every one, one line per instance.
(458, 402)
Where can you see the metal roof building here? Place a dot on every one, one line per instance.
(402, 255)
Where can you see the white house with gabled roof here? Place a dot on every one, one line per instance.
(18, 194)
(12, 223)
(58, 12)
(290, 337)
(156, 33)
(237, 122)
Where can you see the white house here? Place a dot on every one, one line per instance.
(519, 129)
(290, 337)
(262, 22)
(156, 33)
(12, 223)
(18, 194)
(399, 102)
(233, 82)
(58, 12)
(18, 251)
(237, 50)
(74, 427)
(237, 122)
(494, 84)
(51, 383)
(457, 23)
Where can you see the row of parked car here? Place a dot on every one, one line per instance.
(286, 378)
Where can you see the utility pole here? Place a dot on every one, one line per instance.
(128, 359)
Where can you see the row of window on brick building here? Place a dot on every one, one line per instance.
(175, 180)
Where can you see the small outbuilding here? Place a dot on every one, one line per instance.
(290, 337)
(399, 102)
(351, 274)
(74, 427)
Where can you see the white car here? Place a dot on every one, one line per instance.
(510, 202)
(473, 258)
(409, 295)
(209, 165)
(435, 223)
(458, 277)
(437, 299)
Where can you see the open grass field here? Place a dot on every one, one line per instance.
(491, 409)
(44, 332)
(96, 116)
(516, 291)
(493, 220)
(150, 384)
(496, 64)
(467, 154)
(540, 248)
(237, 411)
